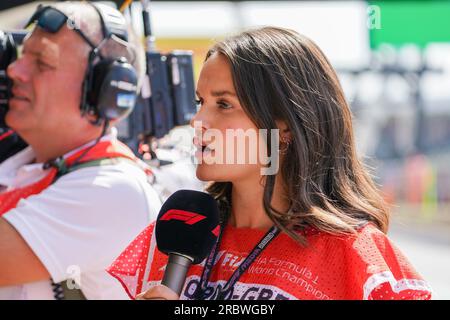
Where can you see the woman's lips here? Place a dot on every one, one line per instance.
(201, 147)
(202, 155)
(203, 151)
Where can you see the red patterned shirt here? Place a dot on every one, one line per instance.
(364, 266)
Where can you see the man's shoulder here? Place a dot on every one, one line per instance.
(118, 187)
(115, 173)
(110, 166)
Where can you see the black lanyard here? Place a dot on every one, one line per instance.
(227, 291)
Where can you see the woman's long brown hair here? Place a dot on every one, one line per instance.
(281, 75)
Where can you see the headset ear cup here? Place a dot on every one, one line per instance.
(87, 105)
(110, 89)
(84, 104)
(99, 73)
(116, 88)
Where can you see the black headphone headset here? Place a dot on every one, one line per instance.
(110, 85)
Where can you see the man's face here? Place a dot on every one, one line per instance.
(47, 82)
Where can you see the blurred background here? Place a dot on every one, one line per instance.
(393, 60)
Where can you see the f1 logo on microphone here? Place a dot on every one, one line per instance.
(187, 217)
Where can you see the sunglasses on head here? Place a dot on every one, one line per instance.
(51, 20)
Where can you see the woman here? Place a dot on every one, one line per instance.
(324, 214)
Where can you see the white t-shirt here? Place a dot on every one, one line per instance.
(80, 223)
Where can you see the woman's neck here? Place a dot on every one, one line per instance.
(247, 209)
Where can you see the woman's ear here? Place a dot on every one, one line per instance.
(285, 133)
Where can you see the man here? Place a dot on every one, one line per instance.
(60, 221)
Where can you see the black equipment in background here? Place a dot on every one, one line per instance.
(161, 102)
(8, 54)
(171, 100)
(172, 93)
(181, 74)
(168, 94)
(10, 142)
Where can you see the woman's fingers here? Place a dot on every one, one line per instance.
(159, 292)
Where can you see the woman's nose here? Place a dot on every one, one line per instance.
(200, 120)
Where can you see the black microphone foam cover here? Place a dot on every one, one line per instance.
(188, 224)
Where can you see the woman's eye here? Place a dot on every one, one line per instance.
(198, 103)
(224, 105)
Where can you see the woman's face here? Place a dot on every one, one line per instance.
(224, 126)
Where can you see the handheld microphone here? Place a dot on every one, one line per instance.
(186, 230)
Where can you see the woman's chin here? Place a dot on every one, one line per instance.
(203, 173)
(226, 173)
(207, 172)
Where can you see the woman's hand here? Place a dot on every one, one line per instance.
(160, 292)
